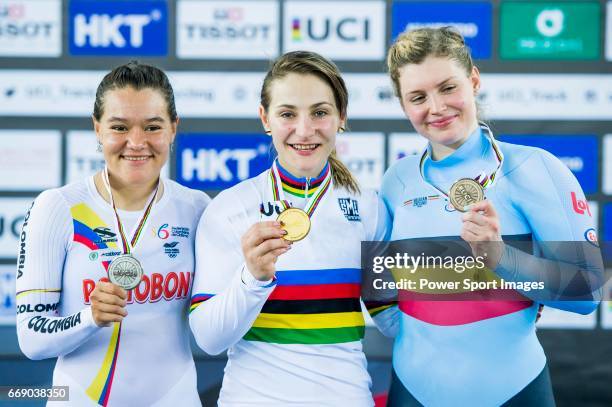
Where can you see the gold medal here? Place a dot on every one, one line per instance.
(465, 192)
(296, 222)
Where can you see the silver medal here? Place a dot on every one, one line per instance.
(125, 271)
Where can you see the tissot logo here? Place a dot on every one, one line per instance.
(335, 30)
(118, 28)
(221, 29)
(30, 28)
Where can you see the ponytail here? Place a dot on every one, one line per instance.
(341, 175)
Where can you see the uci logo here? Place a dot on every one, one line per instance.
(270, 208)
(348, 29)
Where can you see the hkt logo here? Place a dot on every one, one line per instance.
(118, 28)
(211, 164)
(220, 161)
(580, 206)
(347, 29)
(550, 22)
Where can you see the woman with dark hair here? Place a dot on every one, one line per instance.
(117, 243)
(479, 348)
(278, 271)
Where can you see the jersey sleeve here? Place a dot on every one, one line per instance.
(384, 313)
(42, 332)
(570, 264)
(226, 298)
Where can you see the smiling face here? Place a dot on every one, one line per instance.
(438, 97)
(303, 120)
(135, 131)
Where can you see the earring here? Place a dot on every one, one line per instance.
(341, 129)
(268, 131)
(99, 147)
(172, 147)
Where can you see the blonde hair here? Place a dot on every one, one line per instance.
(414, 46)
(311, 63)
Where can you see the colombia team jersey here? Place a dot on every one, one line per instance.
(296, 340)
(483, 353)
(68, 241)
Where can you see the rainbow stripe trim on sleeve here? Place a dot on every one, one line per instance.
(311, 307)
(376, 307)
(198, 299)
(100, 388)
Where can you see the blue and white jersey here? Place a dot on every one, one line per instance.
(485, 352)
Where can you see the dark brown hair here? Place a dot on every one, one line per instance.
(311, 63)
(138, 76)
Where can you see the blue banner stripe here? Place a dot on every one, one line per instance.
(324, 276)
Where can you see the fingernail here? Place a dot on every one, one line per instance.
(284, 232)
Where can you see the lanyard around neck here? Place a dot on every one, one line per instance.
(312, 203)
(486, 181)
(128, 245)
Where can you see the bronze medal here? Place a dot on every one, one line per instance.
(465, 192)
(296, 222)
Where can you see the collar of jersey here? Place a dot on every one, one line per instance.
(297, 185)
(475, 147)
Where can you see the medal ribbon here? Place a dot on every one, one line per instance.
(313, 202)
(128, 245)
(484, 180)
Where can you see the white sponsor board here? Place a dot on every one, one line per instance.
(404, 144)
(340, 30)
(12, 213)
(546, 96)
(83, 158)
(236, 95)
(607, 164)
(227, 29)
(72, 93)
(363, 154)
(608, 38)
(217, 94)
(30, 28)
(48, 92)
(371, 97)
(30, 160)
(7, 295)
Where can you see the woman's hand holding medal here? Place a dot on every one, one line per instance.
(481, 229)
(108, 303)
(261, 245)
